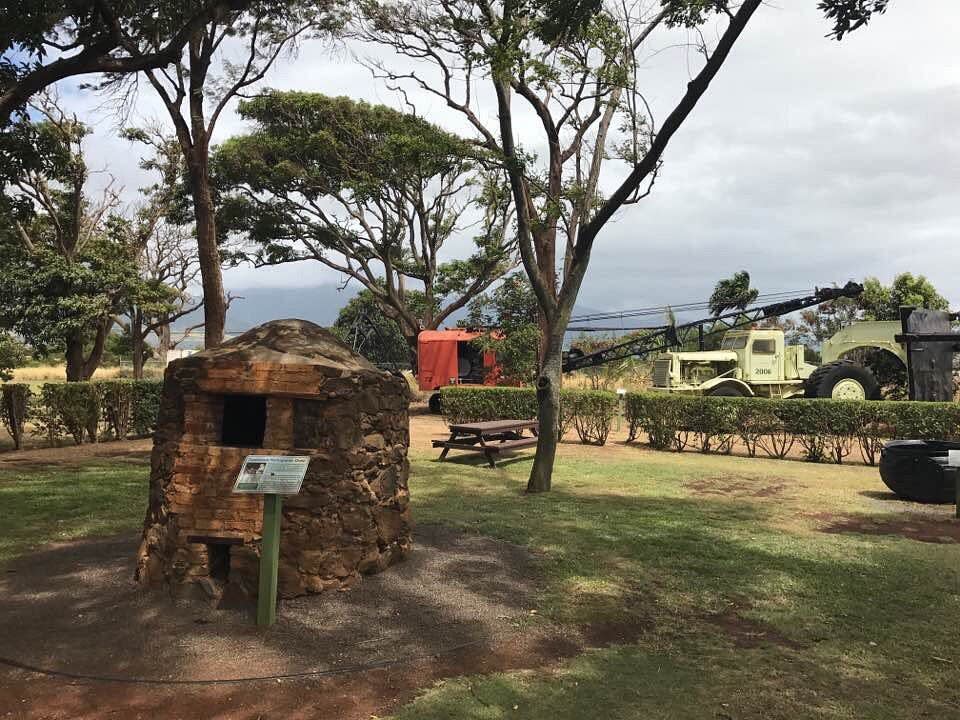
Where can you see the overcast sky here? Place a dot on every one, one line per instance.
(809, 162)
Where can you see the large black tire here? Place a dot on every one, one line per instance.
(435, 407)
(726, 391)
(917, 470)
(824, 381)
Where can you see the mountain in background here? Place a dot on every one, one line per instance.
(319, 304)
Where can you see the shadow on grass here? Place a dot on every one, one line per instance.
(680, 561)
(479, 460)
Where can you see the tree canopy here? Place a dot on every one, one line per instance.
(733, 293)
(879, 302)
(362, 324)
(370, 192)
(508, 315)
(43, 43)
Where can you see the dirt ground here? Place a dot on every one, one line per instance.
(458, 605)
(931, 530)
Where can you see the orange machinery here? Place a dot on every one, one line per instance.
(448, 357)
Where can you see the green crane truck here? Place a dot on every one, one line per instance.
(759, 363)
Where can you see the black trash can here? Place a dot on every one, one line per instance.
(917, 470)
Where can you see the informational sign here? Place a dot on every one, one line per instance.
(271, 474)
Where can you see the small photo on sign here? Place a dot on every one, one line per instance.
(254, 470)
(251, 476)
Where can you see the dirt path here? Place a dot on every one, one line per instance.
(77, 454)
(459, 604)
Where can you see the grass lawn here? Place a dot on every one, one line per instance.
(744, 607)
(41, 505)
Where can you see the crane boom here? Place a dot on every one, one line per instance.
(698, 330)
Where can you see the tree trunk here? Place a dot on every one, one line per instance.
(92, 361)
(136, 341)
(214, 300)
(548, 413)
(163, 344)
(75, 359)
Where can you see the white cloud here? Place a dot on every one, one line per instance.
(808, 162)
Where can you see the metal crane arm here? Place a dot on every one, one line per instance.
(679, 335)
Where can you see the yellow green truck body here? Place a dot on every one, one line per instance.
(759, 363)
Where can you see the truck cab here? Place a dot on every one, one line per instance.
(749, 362)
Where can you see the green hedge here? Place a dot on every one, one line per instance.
(82, 411)
(589, 412)
(824, 429)
(475, 404)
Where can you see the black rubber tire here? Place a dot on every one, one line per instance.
(917, 470)
(821, 382)
(434, 403)
(726, 391)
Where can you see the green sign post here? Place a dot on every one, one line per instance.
(269, 560)
(272, 476)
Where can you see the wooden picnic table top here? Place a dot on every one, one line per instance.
(492, 426)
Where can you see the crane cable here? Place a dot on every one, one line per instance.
(681, 307)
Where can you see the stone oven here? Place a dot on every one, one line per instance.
(286, 387)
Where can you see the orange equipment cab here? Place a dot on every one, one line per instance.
(448, 357)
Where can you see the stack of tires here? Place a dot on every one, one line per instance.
(917, 470)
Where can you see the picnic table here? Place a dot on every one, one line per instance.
(490, 438)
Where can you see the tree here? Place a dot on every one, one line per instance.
(13, 354)
(733, 293)
(168, 268)
(877, 302)
(64, 274)
(883, 303)
(372, 193)
(362, 324)
(575, 73)
(195, 96)
(511, 304)
(44, 43)
(166, 252)
(508, 315)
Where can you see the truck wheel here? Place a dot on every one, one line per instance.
(726, 391)
(435, 404)
(842, 380)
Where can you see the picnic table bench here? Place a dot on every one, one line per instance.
(491, 438)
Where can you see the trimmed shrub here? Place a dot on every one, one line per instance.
(479, 404)
(14, 409)
(872, 430)
(116, 399)
(146, 406)
(656, 414)
(72, 409)
(82, 410)
(592, 411)
(825, 429)
(589, 412)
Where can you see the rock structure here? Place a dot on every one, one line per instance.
(287, 387)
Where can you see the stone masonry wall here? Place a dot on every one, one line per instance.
(351, 516)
